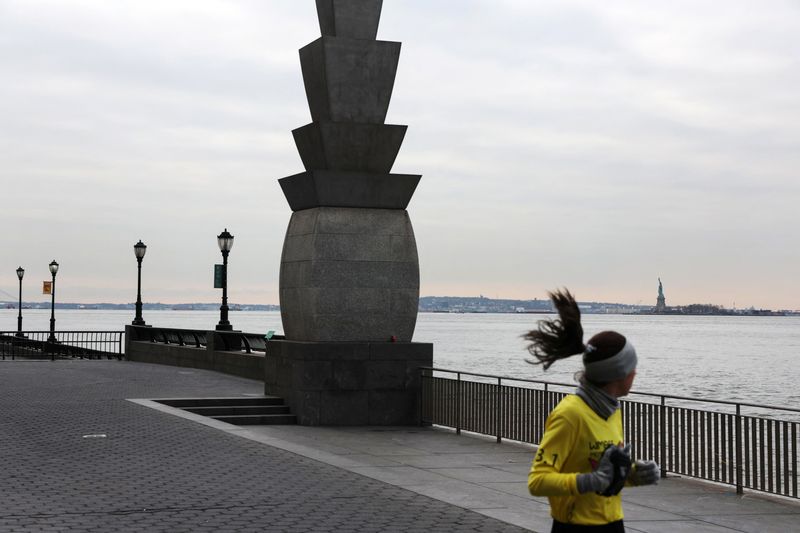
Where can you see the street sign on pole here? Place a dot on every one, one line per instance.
(217, 276)
(47, 287)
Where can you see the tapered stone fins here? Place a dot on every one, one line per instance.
(348, 80)
(325, 188)
(348, 18)
(349, 146)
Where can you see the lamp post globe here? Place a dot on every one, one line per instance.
(225, 242)
(53, 266)
(20, 274)
(139, 250)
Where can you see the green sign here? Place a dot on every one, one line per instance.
(217, 276)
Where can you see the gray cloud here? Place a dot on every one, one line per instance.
(594, 145)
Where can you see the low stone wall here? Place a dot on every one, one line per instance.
(348, 383)
(240, 364)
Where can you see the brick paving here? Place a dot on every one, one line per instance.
(155, 472)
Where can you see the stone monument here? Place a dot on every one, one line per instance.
(349, 277)
(661, 302)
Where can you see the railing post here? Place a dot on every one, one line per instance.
(458, 403)
(499, 410)
(794, 460)
(739, 486)
(663, 437)
(420, 396)
(246, 343)
(545, 403)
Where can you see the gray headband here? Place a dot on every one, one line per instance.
(611, 369)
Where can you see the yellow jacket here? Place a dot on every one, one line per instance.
(575, 438)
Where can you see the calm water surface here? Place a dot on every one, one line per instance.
(748, 359)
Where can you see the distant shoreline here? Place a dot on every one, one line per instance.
(444, 304)
(276, 309)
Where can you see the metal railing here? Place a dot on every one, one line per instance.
(231, 341)
(68, 344)
(194, 338)
(756, 450)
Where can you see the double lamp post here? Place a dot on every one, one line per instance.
(225, 242)
(53, 266)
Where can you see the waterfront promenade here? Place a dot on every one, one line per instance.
(79, 455)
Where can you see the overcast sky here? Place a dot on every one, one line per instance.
(593, 145)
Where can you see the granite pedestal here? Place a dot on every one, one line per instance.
(348, 383)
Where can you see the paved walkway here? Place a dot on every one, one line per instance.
(78, 455)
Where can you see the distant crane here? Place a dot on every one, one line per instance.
(8, 297)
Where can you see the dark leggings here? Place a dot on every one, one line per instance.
(613, 527)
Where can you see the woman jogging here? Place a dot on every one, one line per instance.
(582, 462)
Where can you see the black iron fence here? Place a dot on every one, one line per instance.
(745, 445)
(66, 344)
(231, 341)
(195, 338)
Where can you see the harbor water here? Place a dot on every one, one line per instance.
(734, 358)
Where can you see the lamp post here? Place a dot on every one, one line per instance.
(225, 242)
(139, 250)
(53, 270)
(20, 273)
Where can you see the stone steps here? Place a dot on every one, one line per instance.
(230, 410)
(258, 420)
(266, 410)
(213, 402)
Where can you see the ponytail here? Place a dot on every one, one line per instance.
(558, 338)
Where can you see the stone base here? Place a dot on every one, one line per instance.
(348, 384)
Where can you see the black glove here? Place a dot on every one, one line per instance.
(621, 460)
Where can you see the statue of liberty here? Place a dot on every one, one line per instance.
(661, 304)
